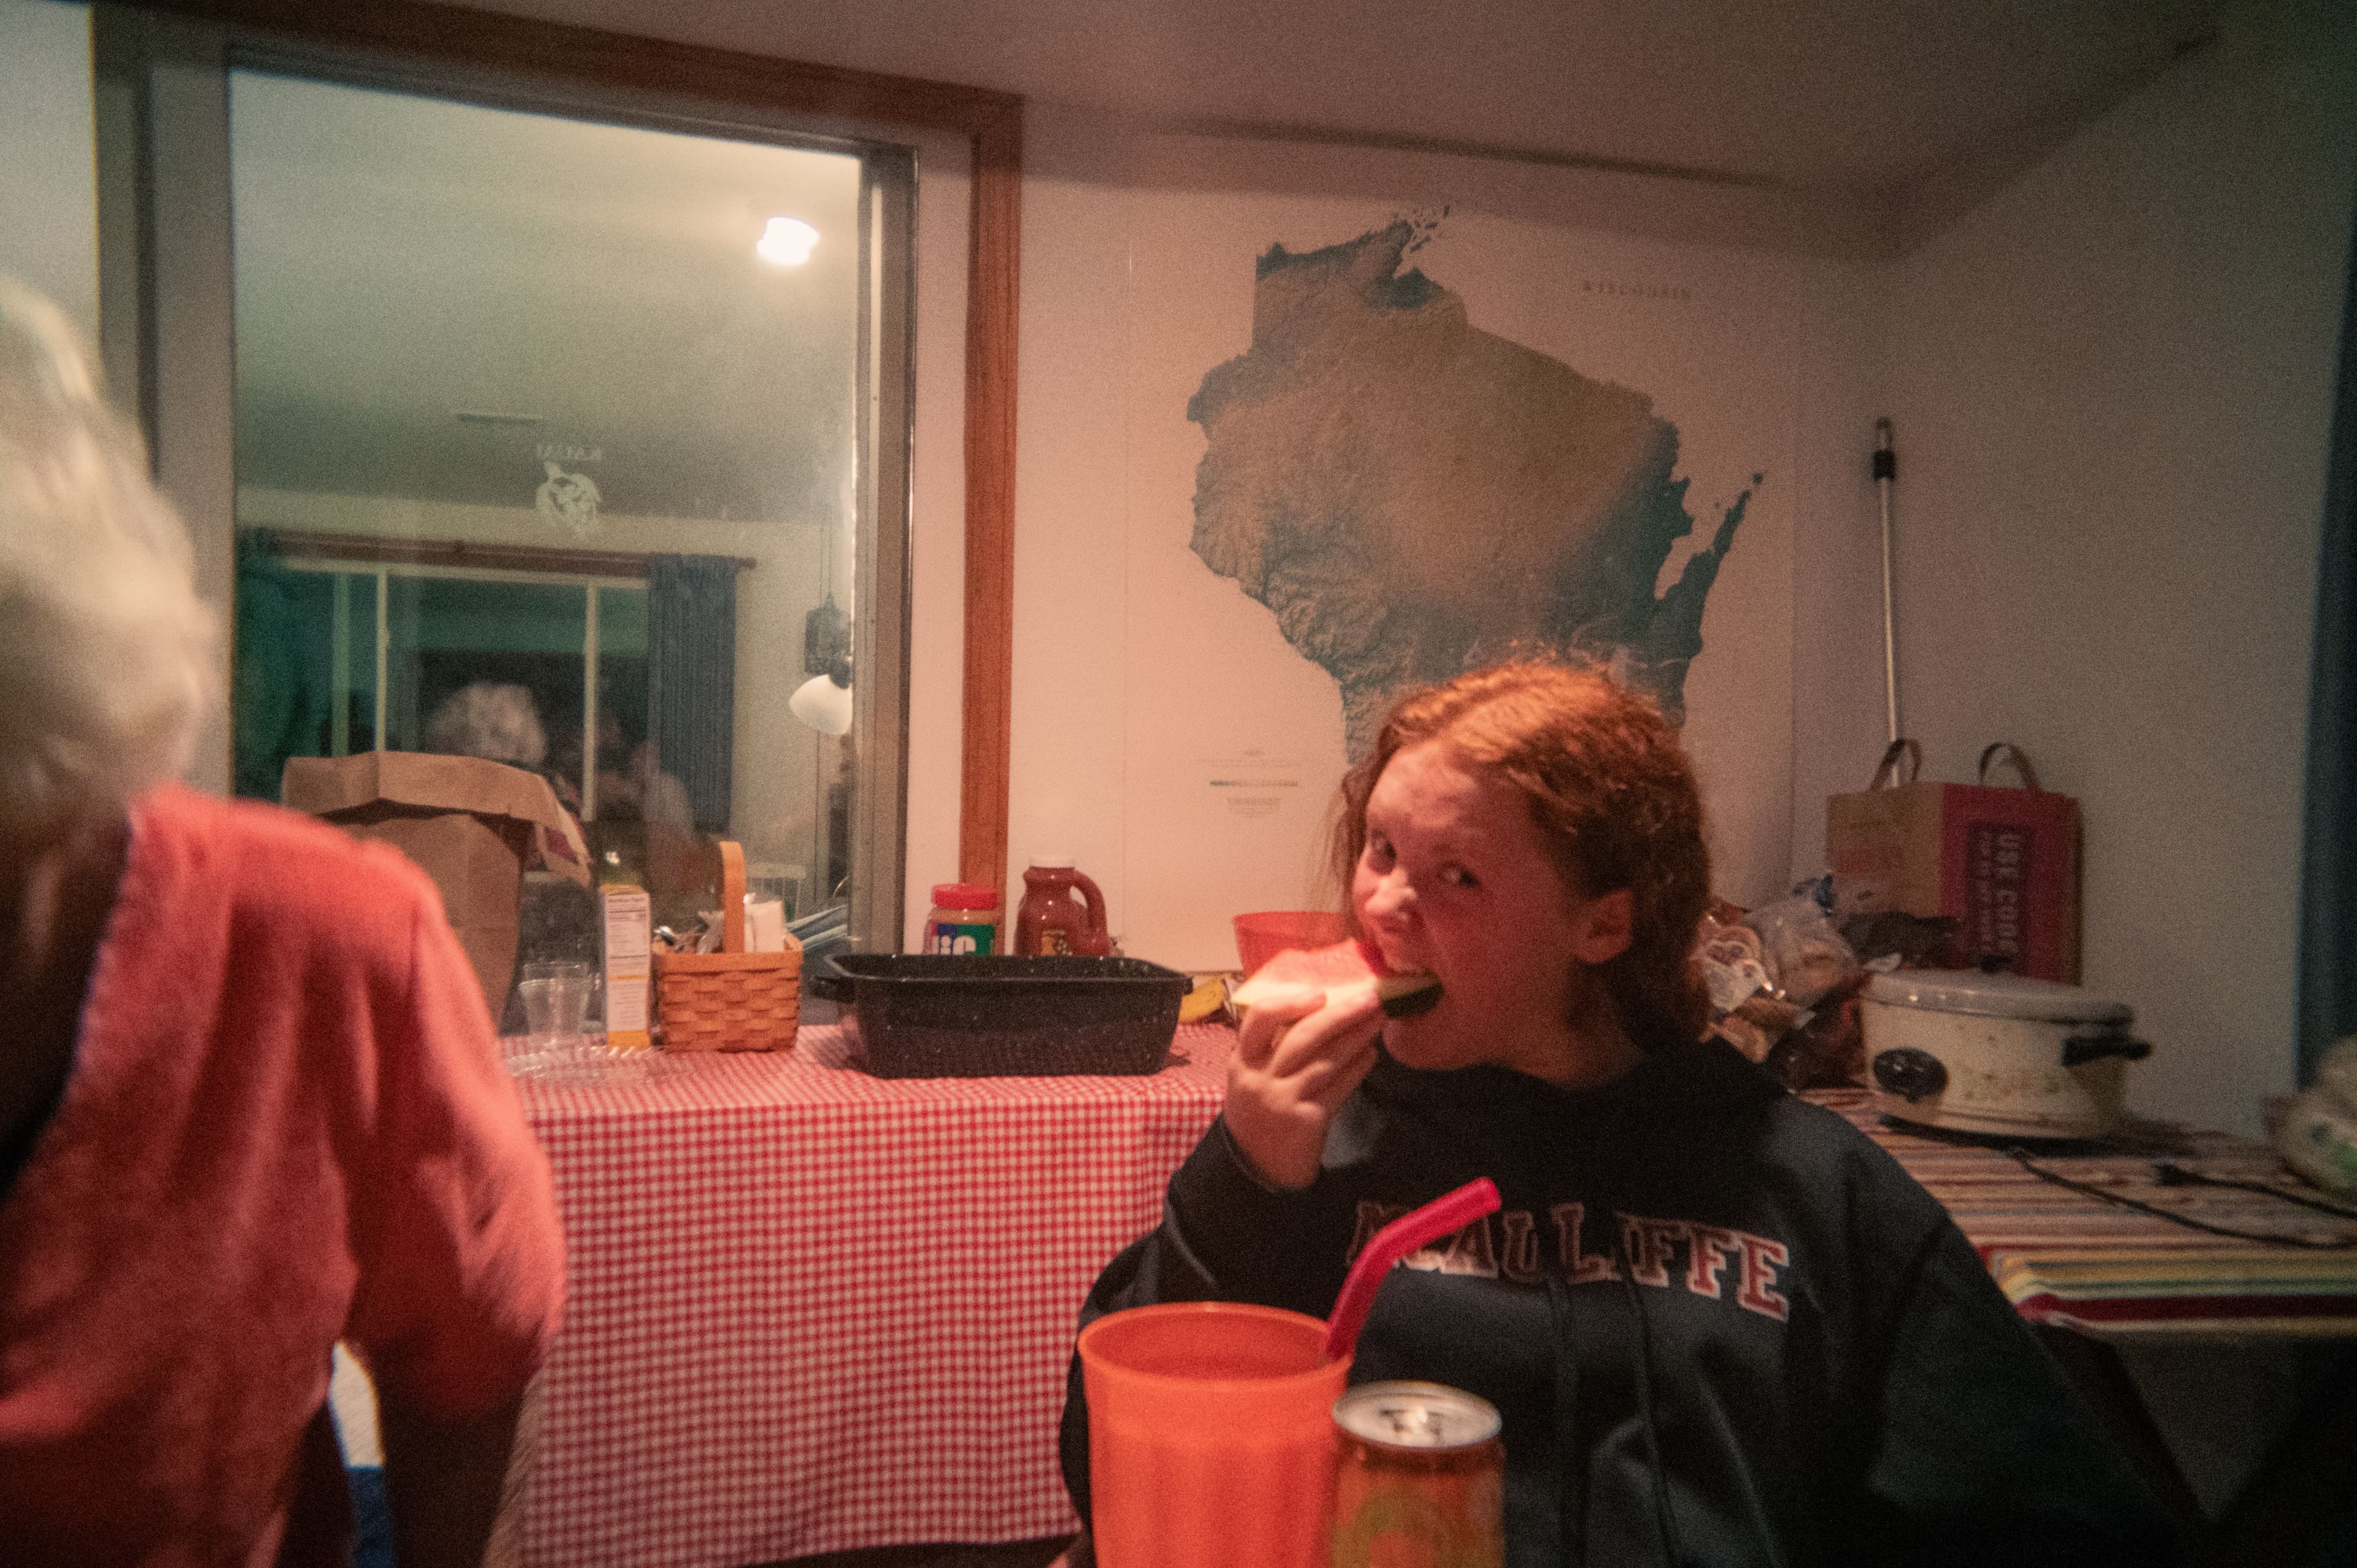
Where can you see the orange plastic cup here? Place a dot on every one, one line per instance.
(1262, 936)
(1212, 1438)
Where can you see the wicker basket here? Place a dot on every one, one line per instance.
(732, 1000)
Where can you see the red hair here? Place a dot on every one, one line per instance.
(1614, 798)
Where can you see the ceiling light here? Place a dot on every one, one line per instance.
(787, 242)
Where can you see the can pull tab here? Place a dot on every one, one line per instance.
(1415, 1425)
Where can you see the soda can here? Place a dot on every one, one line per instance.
(1422, 1479)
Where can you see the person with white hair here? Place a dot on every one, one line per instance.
(495, 720)
(250, 1101)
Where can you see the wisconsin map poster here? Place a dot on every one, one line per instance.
(1372, 444)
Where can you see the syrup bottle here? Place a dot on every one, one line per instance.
(1051, 920)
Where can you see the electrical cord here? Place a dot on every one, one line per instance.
(2021, 1158)
(2169, 1173)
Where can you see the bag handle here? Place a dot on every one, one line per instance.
(2006, 751)
(1886, 772)
(732, 895)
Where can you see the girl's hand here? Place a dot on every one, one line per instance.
(1299, 1054)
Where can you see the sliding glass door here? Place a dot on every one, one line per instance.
(546, 671)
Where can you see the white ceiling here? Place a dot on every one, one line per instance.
(406, 266)
(1848, 97)
(400, 262)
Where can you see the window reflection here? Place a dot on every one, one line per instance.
(539, 460)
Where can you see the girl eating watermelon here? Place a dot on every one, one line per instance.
(1720, 1324)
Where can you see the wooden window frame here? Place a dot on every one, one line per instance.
(377, 548)
(993, 123)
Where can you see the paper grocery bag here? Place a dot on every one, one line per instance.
(2004, 861)
(471, 825)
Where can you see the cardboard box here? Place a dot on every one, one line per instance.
(473, 826)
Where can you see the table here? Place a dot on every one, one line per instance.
(2092, 1276)
(2072, 1260)
(794, 1287)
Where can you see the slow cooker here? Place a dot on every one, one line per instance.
(1999, 1056)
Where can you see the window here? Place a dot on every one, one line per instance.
(595, 406)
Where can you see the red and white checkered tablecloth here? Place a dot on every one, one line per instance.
(812, 1311)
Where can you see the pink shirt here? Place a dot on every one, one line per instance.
(287, 1125)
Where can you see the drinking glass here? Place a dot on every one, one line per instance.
(556, 1004)
(1212, 1438)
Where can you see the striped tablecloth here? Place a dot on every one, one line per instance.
(2076, 1262)
(812, 1310)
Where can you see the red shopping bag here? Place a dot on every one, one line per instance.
(2004, 861)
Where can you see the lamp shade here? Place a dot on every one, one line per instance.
(822, 705)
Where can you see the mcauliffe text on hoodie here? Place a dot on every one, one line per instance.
(1514, 1244)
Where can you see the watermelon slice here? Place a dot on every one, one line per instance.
(1353, 962)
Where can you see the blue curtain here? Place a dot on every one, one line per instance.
(2328, 926)
(691, 676)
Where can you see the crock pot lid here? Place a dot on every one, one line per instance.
(1994, 996)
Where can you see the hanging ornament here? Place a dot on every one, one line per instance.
(567, 500)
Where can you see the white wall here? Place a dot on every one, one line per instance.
(2112, 385)
(49, 164)
(1838, 710)
(1070, 714)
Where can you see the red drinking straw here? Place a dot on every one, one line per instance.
(1451, 1211)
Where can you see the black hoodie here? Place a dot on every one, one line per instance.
(1722, 1327)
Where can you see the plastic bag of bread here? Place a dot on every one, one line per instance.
(1805, 956)
(1732, 966)
(1763, 1020)
(1827, 1049)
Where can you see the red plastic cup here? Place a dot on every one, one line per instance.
(1260, 937)
(1212, 1438)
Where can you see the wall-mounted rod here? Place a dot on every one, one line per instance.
(1885, 473)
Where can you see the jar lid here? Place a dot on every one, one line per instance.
(964, 895)
(1994, 996)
